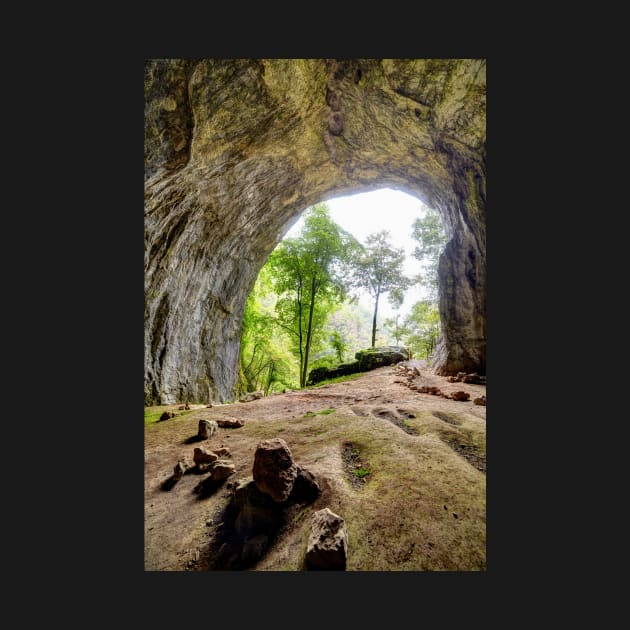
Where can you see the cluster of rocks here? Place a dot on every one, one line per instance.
(208, 461)
(260, 506)
(463, 377)
(366, 360)
(412, 372)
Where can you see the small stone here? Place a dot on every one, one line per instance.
(230, 423)
(167, 415)
(201, 456)
(223, 452)
(480, 401)
(222, 470)
(460, 396)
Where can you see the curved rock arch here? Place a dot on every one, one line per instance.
(237, 149)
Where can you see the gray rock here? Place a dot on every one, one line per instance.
(249, 397)
(328, 542)
(274, 470)
(207, 428)
(227, 138)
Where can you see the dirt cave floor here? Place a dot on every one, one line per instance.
(406, 470)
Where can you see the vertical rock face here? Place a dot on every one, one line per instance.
(236, 149)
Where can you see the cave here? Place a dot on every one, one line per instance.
(236, 149)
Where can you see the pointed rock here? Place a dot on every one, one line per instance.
(274, 470)
(328, 543)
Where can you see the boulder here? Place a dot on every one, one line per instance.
(167, 415)
(328, 542)
(373, 358)
(480, 401)
(230, 423)
(207, 428)
(274, 470)
(366, 360)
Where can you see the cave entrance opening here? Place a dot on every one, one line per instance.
(410, 237)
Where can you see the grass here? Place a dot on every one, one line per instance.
(361, 472)
(323, 412)
(338, 379)
(152, 414)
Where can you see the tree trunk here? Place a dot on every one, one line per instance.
(378, 295)
(309, 331)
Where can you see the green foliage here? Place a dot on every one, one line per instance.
(421, 328)
(361, 472)
(153, 414)
(353, 322)
(338, 344)
(323, 412)
(265, 360)
(393, 328)
(379, 270)
(337, 379)
(309, 277)
(429, 233)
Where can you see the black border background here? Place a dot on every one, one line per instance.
(86, 223)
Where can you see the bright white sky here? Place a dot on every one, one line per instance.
(370, 212)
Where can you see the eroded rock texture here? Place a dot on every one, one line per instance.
(236, 149)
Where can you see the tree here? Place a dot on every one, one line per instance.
(265, 361)
(421, 328)
(429, 233)
(394, 328)
(338, 344)
(308, 274)
(379, 271)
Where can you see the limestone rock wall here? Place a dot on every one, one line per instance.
(236, 149)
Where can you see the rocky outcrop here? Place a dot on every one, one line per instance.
(261, 505)
(366, 360)
(328, 542)
(236, 149)
(274, 470)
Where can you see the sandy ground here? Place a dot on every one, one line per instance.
(422, 508)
